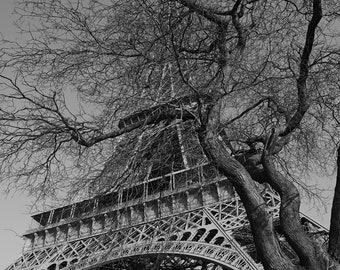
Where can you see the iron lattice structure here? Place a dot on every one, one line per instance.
(182, 214)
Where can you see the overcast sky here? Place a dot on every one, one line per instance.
(14, 216)
(14, 213)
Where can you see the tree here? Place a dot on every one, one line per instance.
(264, 76)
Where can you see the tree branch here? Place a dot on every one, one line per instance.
(209, 13)
(303, 103)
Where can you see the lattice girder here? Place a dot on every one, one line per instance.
(161, 262)
(188, 230)
(207, 232)
(223, 256)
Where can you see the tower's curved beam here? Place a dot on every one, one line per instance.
(223, 256)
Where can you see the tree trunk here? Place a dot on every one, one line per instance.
(261, 220)
(310, 254)
(334, 231)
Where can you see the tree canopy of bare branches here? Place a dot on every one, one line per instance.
(264, 75)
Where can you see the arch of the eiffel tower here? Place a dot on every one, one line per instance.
(182, 215)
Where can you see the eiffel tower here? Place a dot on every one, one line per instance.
(181, 215)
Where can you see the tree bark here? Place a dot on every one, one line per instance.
(310, 255)
(261, 220)
(303, 100)
(334, 231)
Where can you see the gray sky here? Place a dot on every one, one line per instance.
(13, 222)
(14, 216)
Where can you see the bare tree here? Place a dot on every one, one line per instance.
(264, 76)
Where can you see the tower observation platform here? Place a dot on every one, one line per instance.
(181, 214)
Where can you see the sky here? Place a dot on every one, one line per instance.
(14, 209)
